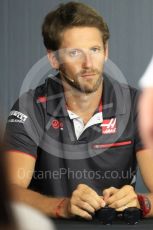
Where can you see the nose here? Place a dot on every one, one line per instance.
(87, 60)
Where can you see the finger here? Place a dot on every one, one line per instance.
(126, 192)
(107, 193)
(86, 207)
(129, 205)
(95, 201)
(124, 201)
(103, 202)
(87, 194)
(90, 196)
(79, 212)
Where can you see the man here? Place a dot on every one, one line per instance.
(73, 142)
(146, 107)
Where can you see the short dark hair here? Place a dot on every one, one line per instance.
(69, 15)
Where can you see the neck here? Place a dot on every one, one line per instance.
(80, 103)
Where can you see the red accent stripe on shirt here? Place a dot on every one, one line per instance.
(100, 107)
(109, 145)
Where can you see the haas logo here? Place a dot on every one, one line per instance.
(109, 126)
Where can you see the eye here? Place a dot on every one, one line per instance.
(96, 49)
(74, 53)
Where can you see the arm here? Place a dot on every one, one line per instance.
(21, 168)
(83, 201)
(145, 162)
(126, 196)
(23, 137)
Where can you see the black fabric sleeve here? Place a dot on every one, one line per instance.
(24, 126)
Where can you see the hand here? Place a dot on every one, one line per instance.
(121, 199)
(84, 202)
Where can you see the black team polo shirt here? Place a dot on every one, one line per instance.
(103, 156)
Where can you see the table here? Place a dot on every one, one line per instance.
(73, 224)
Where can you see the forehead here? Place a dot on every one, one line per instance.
(81, 37)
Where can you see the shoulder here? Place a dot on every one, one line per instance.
(51, 86)
(122, 87)
(30, 99)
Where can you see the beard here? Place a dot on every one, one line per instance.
(91, 86)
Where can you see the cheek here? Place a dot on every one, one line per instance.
(99, 61)
(73, 68)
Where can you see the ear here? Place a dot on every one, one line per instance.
(53, 59)
(106, 51)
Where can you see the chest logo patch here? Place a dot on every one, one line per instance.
(57, 124)
(109, 126)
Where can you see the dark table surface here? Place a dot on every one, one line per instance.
(62, 224)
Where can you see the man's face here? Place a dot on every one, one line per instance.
(81, 58)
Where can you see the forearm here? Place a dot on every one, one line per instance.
(47, 205)
(150, 197)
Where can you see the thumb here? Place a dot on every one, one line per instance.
(108, 192)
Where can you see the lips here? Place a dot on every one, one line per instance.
(88, 74)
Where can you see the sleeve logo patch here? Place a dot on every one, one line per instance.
(21, 117)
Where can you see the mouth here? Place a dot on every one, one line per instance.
(88, 75)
